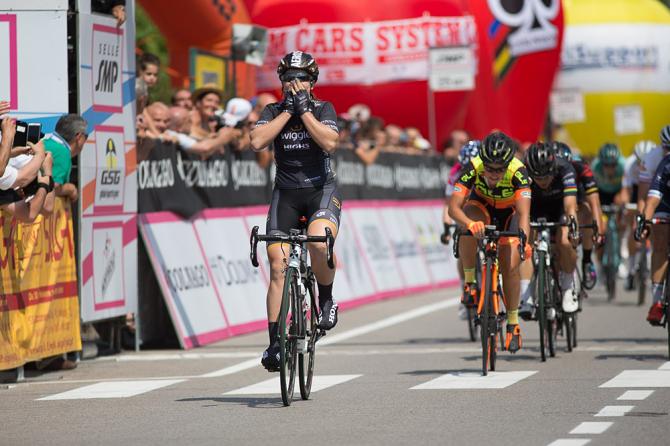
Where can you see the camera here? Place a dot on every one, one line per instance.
(27, 132)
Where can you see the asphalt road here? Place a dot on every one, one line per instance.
(400, 371)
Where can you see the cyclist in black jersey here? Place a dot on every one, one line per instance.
(554, 197)
(303, 133)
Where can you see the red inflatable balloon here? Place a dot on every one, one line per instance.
(519, 54)
(402, 102)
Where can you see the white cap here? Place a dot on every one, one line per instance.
(237, 109)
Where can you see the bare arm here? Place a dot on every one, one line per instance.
(456, 210)
(324, 136)
(446, 219)
(366, 153)
(8, 131)
(594, 200)
(263, 135)
(642, 189)
(650, 207)
(570, 206)
(523, 209)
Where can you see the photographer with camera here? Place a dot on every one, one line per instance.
(303, 134)
(23, 190)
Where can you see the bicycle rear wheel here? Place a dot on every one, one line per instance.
(306, 359)
(484, 318)
(541, 309)
(569, 320)
(552, 324)
(642, 277)
(287, 338)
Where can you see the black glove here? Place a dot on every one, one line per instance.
(303, 103)
(446, 235)
(288, 104)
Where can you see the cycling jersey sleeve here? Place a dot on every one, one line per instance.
(629, 174)
(521, 183)
(659, 184)
(267, 115)
(466, 180)
(568, 177)
(586, 178)
(328, 117)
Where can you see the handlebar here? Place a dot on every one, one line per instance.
(610, 209)
(492, 233)
(571, 224)
(641, 224)
(328, 239)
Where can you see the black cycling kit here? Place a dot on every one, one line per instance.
(548, 203)
(305, 182)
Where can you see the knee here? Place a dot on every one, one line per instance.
(318, 250)
(276, 268)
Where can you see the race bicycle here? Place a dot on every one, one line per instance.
(490, 318)
(612, 250)
(665, 321)
(298, 314)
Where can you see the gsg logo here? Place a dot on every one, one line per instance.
(532, 22)
(110, 177)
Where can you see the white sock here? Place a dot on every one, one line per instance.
(525, 290)
(657, 292)
(566, 280)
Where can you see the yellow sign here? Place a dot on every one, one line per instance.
(39, 303)
(208, 69)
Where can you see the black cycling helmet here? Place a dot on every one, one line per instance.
(609, 154)
(665, 136)
(541, 159)
(497, 148)
(562, 150)
(299, 61)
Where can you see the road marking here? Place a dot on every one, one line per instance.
(474, 380)
(665, 365)
(176, 356)
(332, 339)
(271, 386)
(640, 378)
(570, 442)
(390, 321)
(111, 389)
(635, 395)
(592, 427)
(233, 368)
(614, 411)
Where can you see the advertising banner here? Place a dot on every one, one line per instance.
(107, 166)
(212, 291)
(24, 26)
(39, 307)
(366, 53)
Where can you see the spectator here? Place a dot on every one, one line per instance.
(396, 138)
(66, 142)
(117, 8)
(182, 98)
(344, 137)
(452, 146)
(206, 100)
(141, 95)
(359, 115)
(370, 139)
(23, 190)
(149, 66)
(180, 120)
(263, 100)
(159, 115)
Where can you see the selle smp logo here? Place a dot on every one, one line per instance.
(530, 20)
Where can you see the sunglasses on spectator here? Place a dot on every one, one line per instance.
(303, 77)
(490, 169)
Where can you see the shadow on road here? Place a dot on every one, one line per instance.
(633, 357)
(253, 402)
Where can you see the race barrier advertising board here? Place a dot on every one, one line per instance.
(384, 249)
(107, 174)
(39, 305)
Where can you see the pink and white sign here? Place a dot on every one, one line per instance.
(367, 52)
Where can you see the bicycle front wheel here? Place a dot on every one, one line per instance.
(485, 316)
(306, 359)
(287, 338)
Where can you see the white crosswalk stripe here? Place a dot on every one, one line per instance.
(640, 378)
(112, 389)
(474, 380)
(271, 386)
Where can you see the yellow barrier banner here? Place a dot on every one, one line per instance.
(39, 303)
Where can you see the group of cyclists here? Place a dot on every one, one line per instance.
(493, 184)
